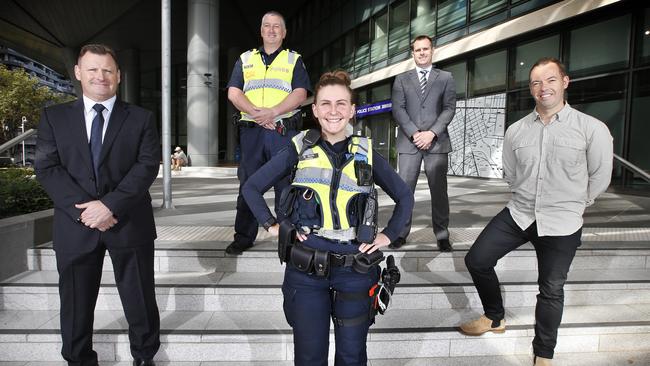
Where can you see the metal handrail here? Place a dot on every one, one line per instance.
(18, 139)
(645, 176)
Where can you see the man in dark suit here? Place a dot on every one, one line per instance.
(424, 102)
(96, 158)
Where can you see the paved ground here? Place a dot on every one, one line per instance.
(201, 201)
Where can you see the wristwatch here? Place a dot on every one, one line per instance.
(270, 222)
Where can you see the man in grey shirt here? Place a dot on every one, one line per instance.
(556, 161)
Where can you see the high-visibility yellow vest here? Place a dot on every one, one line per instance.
(335, 188)
(267, 87)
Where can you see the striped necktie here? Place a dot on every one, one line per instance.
(423, 80)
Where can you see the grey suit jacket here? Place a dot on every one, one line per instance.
(431, 111)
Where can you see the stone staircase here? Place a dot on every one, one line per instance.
(220, 308)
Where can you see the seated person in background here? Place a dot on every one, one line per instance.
(179, 159)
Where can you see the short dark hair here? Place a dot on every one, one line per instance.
(549, 60)
(277, 14)
(98, 49)
(421, 37)
(337, 77)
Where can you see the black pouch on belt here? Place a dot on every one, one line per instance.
(364, 261)
(286, 239)
(302, 258)
(321, 263)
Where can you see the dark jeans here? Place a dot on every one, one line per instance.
(554, 257)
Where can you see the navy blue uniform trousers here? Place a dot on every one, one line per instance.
(258, 145)
(308, 307)
(554, 256)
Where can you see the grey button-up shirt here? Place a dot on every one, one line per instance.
(556, 170)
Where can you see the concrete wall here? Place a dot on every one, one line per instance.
(19, 233)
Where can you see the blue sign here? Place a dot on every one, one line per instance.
(374, 108)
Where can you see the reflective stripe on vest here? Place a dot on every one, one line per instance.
(267, 87)
(315, 171)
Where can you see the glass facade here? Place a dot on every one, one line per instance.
(488, 73)
(459, 71)
(607, 54)
(610, 49)
(526, 54)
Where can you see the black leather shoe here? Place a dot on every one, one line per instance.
(397, 243)
(139, 362)
(236, 247)
(444, 245)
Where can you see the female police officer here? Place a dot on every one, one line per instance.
(326, 276)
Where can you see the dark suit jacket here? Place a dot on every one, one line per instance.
(431, 111)
(129, 163)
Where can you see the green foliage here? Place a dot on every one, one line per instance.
(20, 193)
(21, 95)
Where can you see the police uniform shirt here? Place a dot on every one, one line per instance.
(281, 165)
(299, 79)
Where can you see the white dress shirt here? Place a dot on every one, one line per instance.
(90, 113)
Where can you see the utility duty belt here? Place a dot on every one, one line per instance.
(318, 262)
(281, 126)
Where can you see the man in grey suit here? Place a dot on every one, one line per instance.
(424, 102)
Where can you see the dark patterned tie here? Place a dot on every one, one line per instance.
(96, 137)
(423, 80)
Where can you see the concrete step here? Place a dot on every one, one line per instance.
(265, 336)
(202, 256)
(254, 291)
(565, 359)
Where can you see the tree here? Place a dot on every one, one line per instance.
(21, 95)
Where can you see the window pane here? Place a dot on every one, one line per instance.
(481, 8)
(643, 51)
(519, 104)
(459, 72)
(347, 61)
(451, 14)
(603, 98)
(398, 36)
(489, 73)
(527, 54)
(599, 47)
(423, 18)
(381, 92)
(640, 127)
(336, 53)
(379, 46)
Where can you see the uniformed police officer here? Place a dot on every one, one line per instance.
(333, 181)
(267, 85)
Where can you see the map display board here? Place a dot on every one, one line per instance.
(476, 134)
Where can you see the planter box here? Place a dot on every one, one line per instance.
(19, 233)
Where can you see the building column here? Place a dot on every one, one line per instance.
(129, 75)
(231, 141)
(202, 82)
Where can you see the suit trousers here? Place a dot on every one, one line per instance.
(308, 307)
(79, 281)
(258, 145)
(435, 168)
(554, 256)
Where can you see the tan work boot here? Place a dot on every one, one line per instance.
(541, 361)
(482, 325)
